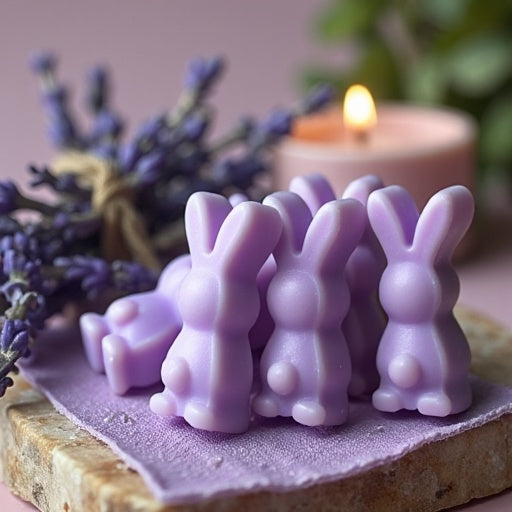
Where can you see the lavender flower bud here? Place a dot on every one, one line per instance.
(240, 173)
(195, 126)
(62, 132)
(107, 124)
(8, 195)
(149, 167)
(94, 273)
(190, 162)
(14, 336)
(318, 98)
(61, 220)
(131, 276)
(98, 89)
(277, 124)
(128, 155)
(202, 73)
(13, 262)
(106, 150)
(43, 62)
(5, 382)
(55, 99)
(149, 130)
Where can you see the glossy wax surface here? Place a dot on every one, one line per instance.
(208, 371)
(423, 357)
(305, 367)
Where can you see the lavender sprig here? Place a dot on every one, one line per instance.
(47, 262)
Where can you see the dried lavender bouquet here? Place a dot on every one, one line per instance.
(118, 208)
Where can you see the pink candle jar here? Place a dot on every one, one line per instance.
(421, 149)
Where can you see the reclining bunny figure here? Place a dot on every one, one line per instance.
(423, 358)
(364, 323)
(141, 326)
(305, 366)
(146, 324)
(208, 370)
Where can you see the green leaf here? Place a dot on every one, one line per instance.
(478, 66)
(314, 76)
(496, 131)
(343, 19)
(425, 82)
(445, 12)
(377, 70)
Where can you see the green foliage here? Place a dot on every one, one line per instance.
(450, 52)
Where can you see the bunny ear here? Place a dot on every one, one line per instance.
(443, 222)
(246, 239)
(314, 189)
(393, 217)
(361, 188)
(204, 214)
(333, 234)
(295, 220)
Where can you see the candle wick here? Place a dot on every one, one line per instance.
(359, 137)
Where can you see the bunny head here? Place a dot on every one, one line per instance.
(310, 256)
(228, 246)
(419, 281)
(361, 188)
(172, 275)
(314, 189)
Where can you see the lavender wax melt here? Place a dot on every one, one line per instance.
(208, 371)
(129, 342)
(423, 357)
(305, 367)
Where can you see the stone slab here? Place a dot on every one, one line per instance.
(47, 460)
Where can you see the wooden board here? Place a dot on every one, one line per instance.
(47, 460)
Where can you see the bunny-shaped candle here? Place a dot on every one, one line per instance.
(129, 342)
(208, 370)
(305, 367)
(423, 358)
(365, 321)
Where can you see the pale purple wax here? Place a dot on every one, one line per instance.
(129, 342)
(423, 357)
(305, 366)
(208, 371)
(364, 322)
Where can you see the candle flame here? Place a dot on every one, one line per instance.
(359, 112)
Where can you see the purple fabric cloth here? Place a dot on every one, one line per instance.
(184, 465)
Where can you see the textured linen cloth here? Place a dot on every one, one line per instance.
(184, 465)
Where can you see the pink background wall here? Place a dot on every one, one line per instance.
(147, 44)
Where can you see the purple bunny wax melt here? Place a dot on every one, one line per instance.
(129, 342)
(365, 320)
(314, 189)
(305, 366)
(423, 358)
(208, 370)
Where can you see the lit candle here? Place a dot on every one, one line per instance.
(422, 149)
(359, 112)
